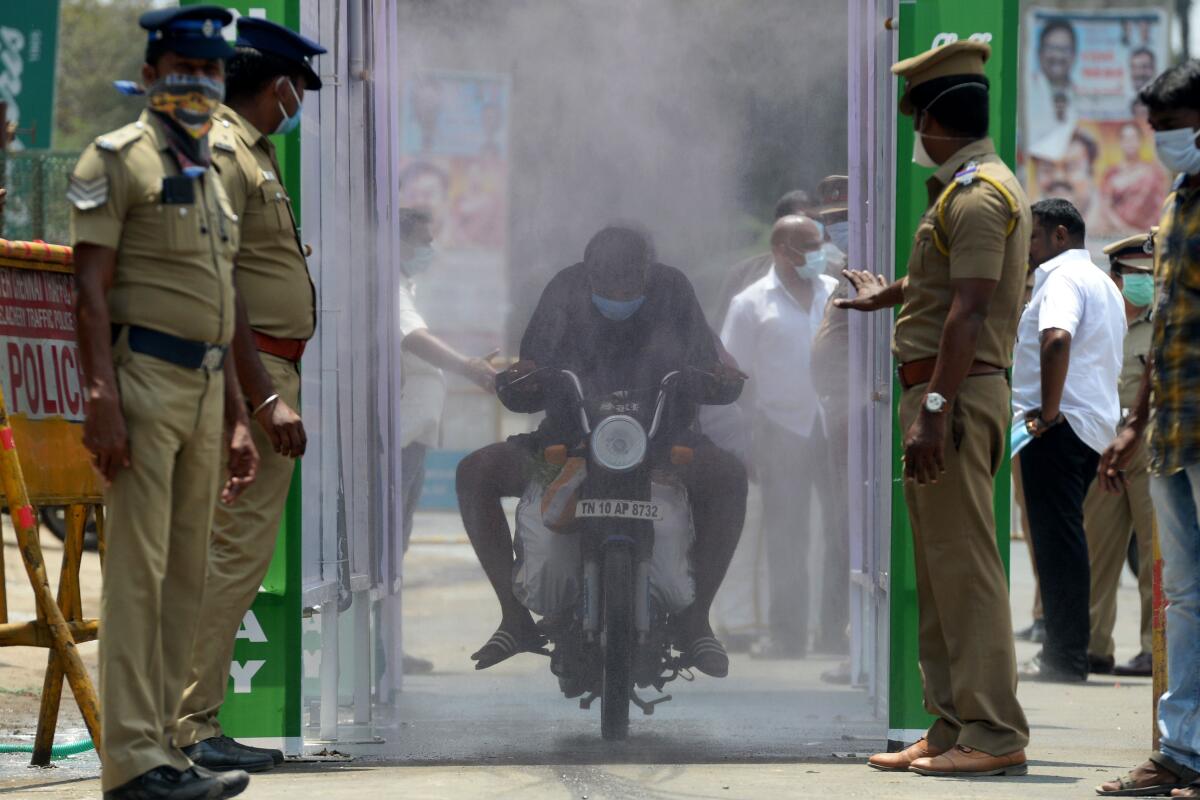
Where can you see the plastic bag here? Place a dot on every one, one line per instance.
(548, 573)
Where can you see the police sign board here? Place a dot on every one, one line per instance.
(39, 359)
(40, 372)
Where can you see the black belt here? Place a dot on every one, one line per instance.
(185, 353)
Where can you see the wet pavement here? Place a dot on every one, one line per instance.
(770, 729)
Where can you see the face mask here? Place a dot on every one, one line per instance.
(839, 233)
(920, 156)
(189, 100)
(1138, 289)
(289, 123)
(813, 266)
(1177, 150)
(617, 310)
(420, 261)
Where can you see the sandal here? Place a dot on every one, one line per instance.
(504, 645)
(708, 655)
(1155, 778)
(1191, 790)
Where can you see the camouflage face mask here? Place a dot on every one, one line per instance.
(190, 100)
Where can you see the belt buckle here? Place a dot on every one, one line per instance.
(213, 358)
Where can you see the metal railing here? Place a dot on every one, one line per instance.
(36, 208)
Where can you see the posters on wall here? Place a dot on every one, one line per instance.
(1084, 135)
(455, 164)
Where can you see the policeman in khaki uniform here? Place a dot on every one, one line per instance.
(1110, 519)
(155, 237)
(954, 336)
(265, 83)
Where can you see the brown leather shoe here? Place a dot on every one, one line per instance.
(899, 762)
(967, 762)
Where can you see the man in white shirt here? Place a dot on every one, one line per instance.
(769, 331)
(1065, 376)
(422, 386)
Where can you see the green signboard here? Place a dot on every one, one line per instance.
(924, 24)
(262, 700)
(28, 50)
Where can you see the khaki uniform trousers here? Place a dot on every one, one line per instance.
(159, 512)
(243, 542)
(1108, 521)
(968, 660)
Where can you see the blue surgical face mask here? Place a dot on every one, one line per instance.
(839, 234)
(289, 123)
(1177, 150)
(1138, 289)
(419, 263)
(813, 267)
(617, 310)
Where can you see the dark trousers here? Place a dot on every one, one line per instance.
(1057, 470)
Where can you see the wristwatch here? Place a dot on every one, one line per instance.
(935, 403)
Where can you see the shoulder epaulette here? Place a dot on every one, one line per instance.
(963, 178)
(121, 138)
(966, 175)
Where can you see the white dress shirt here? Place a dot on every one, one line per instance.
(1073, 294)
(771, 335)
(422, 385)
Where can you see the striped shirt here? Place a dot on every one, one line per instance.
(1175, 380)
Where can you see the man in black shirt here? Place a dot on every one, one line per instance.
(619, 320)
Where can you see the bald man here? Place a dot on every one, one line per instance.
(770, 330)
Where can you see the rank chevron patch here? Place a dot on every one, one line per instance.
(86, 195)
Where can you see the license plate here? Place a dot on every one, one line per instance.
(618, 509)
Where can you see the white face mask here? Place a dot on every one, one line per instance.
(839, 232)
(920, 156)
(1177, 150)
(813, 266)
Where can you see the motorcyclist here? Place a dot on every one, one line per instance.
(619, 320)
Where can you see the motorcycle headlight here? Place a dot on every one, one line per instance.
(619, 443)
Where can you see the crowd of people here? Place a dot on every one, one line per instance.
(192, 384)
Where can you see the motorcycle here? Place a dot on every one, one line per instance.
(618, 635)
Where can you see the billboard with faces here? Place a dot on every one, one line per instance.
(1084, 135)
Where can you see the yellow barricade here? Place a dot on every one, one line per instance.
(43, 462)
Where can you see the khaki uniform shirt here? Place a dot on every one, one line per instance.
(272, 272)
(175, 259)
(1137, 348)
(975, 229)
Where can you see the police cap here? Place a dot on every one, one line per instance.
(1134, 252)
(274, 39)
(834, 191)
(964, 57)
(192, 31)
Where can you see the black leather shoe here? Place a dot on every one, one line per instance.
(1038, 670)
(231, 782)
(276, 756)
(220, 753)
(1141, 666)
(1100, 665)
(168, 783)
